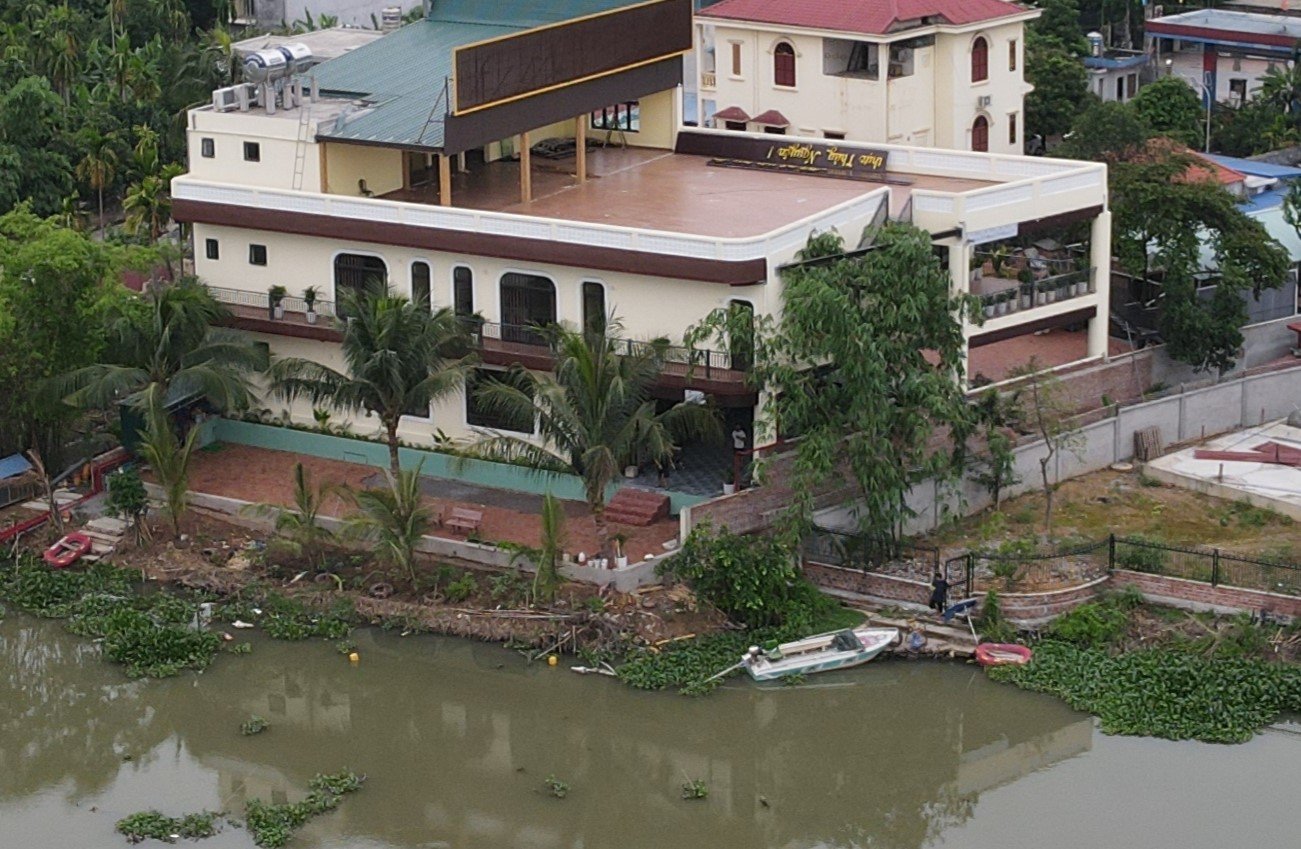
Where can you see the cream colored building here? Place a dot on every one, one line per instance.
(927, 73)
(656, 223)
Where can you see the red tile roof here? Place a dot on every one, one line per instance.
(873, 17)
(732, 113)
(771, 118)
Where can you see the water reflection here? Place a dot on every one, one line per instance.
(457, 737)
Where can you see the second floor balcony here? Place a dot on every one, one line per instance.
(720, 373)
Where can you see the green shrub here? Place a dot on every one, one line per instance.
(1095, 624)
(1137, 553)
(461, 589)
(755, 581)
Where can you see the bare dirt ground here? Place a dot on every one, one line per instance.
(262, 475)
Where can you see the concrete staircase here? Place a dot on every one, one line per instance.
(640, 507)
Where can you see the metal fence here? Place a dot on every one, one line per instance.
(870, 554)
(1072, 566)
(1207, 565)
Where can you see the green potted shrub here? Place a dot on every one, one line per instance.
(620, 555)
(276, 297)
(310, 294)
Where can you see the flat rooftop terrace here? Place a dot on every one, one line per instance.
(661, 190)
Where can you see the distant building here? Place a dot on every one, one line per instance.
(1221, 51)
(273, 14)
(1116, 75)
(928, 73)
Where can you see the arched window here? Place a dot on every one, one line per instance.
(420, 284)
(528, 302)
(783, 65)
(980, 134)
(356, 272)
(979, 59)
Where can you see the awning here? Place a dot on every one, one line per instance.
(731, 113)
(771, 118)
(13, 465)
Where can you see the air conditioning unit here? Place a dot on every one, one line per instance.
(226, 99)
(983, 101)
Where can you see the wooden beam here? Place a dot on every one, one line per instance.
(580, 146)
(444, 179)
(525, 169)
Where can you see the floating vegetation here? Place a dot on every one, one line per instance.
(694, 788)
(688, 663)
(253, 725)
(152, 824)
(556, 787)
(289, 619)
(1162, 692)
(151, 635)
(272, 825)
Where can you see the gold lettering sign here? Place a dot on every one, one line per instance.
(830, 157)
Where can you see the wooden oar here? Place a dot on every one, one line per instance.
(731, 668)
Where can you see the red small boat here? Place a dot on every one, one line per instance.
(68, 550)
(1002, 654)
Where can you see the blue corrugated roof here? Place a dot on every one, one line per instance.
(1115, 63)
(1254, 168)
(403, 75)
(14, 464)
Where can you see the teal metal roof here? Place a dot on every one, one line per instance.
(404, 75)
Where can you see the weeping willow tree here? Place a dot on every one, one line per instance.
(864, 367)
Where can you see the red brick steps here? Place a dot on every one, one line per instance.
(640, 507)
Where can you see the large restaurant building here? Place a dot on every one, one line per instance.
(525, 163)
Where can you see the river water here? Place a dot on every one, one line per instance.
(457, 738)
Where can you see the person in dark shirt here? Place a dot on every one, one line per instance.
(939, 592)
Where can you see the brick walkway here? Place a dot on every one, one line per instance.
(1054, 348)
(262, 475)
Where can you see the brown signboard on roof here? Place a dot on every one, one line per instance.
(837, 156)
(541, 59)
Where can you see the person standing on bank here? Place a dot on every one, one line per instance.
(939, 592)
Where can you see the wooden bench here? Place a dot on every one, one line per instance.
(464, 520)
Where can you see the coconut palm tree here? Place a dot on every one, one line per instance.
(98, 167)
(148, 203)
(168, 455)
(397, 361)
(167, 339)
(392, 519)
(595, 414)
(300, 525)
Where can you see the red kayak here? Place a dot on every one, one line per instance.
(68, 550)
(1002, 654)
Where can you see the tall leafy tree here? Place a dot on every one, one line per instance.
(595, 413)
(56, 288)
(169, 340)
(33, 149)
(865, 367)
(1172, 108)
(398, 360)
(1058, 26)
(1060, 89)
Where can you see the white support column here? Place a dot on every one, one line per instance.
(960, 283)
(1100, 260)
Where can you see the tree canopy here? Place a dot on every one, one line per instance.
(1172, 108)
(865, 368)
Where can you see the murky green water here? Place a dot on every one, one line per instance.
(457, 737)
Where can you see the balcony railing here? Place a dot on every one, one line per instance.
(504, 340)
(1049, 290)
(708, 79)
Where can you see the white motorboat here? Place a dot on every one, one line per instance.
(819, 653)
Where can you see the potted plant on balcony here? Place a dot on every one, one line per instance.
(989, 302)
(1026, 291)
(1000, 302)
(998, 260)
(276, 297)
(977, 267)
(310, 294)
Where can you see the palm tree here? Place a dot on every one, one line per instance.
(1281, 86)
(396, 358)
(594, 412)
(168, 456)
(392, 519)
(148, 203)
(98, 168)
(168, 340)
(301, 525)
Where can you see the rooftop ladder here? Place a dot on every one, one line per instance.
(300, 150)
